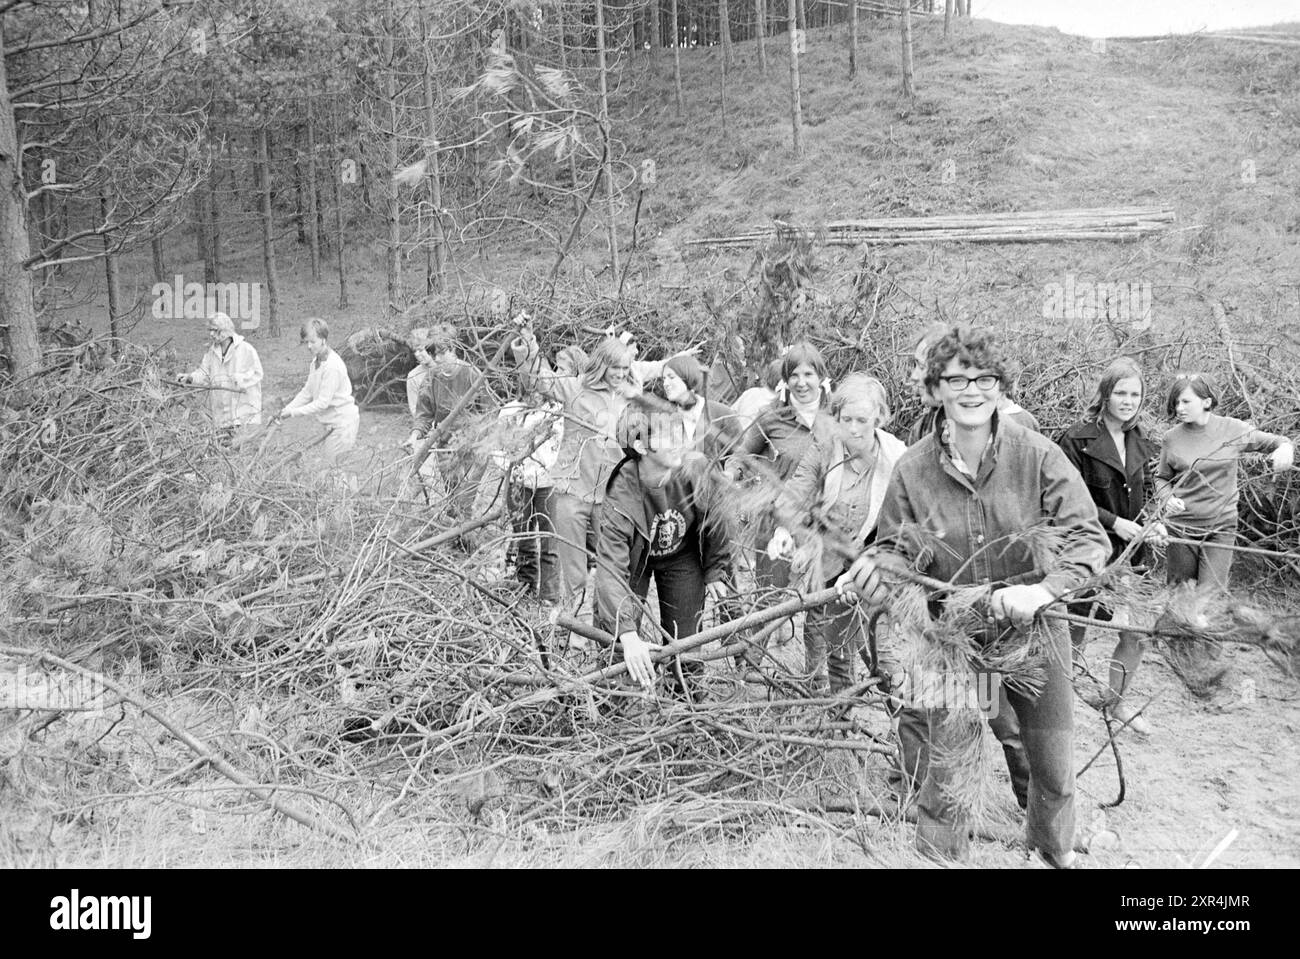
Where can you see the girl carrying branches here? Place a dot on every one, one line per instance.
(1196, 480)
(834, 498)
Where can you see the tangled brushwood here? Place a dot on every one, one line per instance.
(331, 653)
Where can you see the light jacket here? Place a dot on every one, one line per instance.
(1026, 517)
(327, 394)
(623, 536)
(238, 367)
(590, 447)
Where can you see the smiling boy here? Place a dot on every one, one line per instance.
(958, 507)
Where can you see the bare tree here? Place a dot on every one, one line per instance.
(724, 33)
(677, 59)
(909, 85)
(853, 39)
(268, 228)
(760, 33)
(796, 110)
(608, 163)
(947, 18)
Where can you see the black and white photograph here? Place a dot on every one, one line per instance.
(651, 435)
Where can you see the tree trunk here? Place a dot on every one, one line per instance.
(607, 169)
(17, 309)
(393, 262)
(803, 15)
(760, 33)
(299, 201)
(796, 111)
(212, 265)
(111, 278)
(336, 175)
(268, 231)
(909, 86)
(677, 58)
(853, 39)
(947, 17)
(159, 261)
(313, 223)
(656, 34)
(201, 229)
(724, 32)
(435, 269)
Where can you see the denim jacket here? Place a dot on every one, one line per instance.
(1026, 517)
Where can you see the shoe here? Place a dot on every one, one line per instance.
(1125, 713)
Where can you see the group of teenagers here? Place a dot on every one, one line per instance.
(623, 471)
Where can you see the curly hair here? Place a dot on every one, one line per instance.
(978, 349)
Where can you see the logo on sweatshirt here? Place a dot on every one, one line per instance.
(667, 532)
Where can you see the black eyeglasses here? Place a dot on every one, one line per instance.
(985, 382)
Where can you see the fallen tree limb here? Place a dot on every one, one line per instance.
(194, 744)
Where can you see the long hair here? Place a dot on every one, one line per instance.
(796, 356)
(610, 351)
(1121, 368)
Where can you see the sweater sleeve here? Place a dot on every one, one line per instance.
(296, 405)
(331, 384)
(616, 608)
(1258, 441)
(797, 500)
(1083, 546)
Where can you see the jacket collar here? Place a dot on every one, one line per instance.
(1096, 443)
(987, 461)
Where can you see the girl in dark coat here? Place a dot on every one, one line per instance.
(1114, 458)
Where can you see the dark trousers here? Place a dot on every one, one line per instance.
(1046, 723)
(536, 559)
(679, 581)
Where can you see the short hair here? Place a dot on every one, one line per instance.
(799, 354)
(314, 325)
(654, 425)
(859, 387)
(772, 374)
(222, 322)
(977, 348)
(442, 337)
(1199, 383)
(1120, 368)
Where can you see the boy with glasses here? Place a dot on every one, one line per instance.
(982, 501)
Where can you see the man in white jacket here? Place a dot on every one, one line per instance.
(232, 371)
